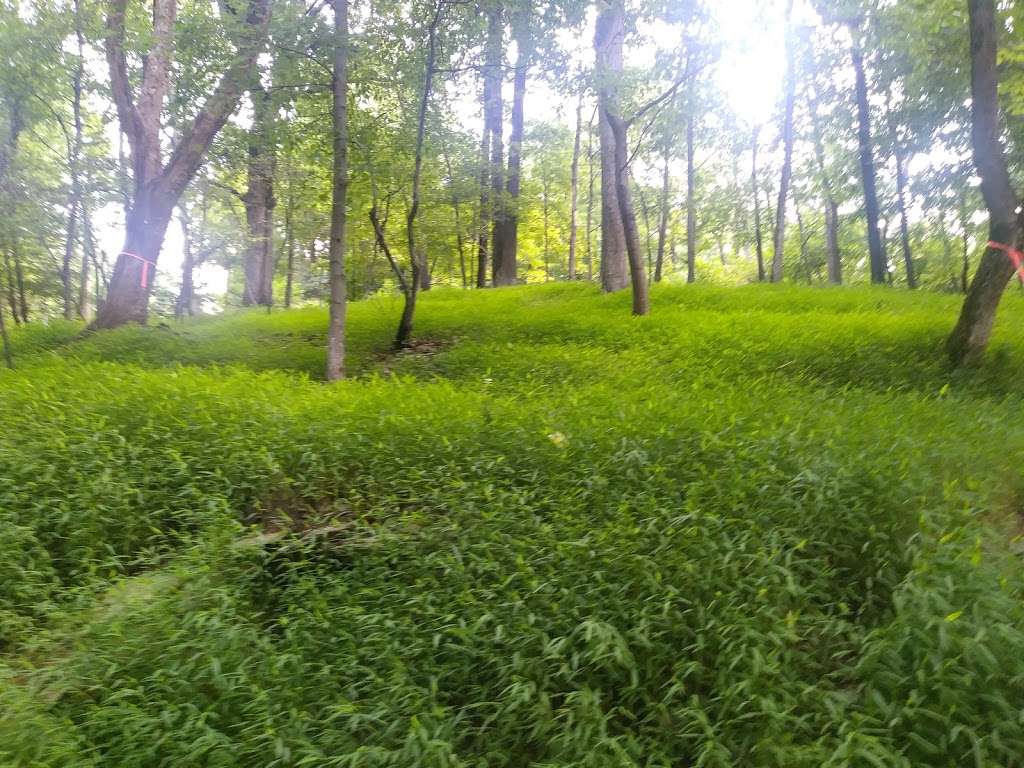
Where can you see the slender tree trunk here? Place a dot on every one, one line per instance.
(970, 337)
(8, 355)
(637, 275)
(590, 200)
(289, 233)
(574, 175)
(663, 218)
(835, 267)
(417, 262)
(484, 212)
(645, 212)
(19, 276)
(544, 214)
(339, 197)
(459, 240)
(506, 272)
(876, 249)
(608, 41)
(74, 168)
(691, 203)
(758, 240)
(12, 296)
(187, 290)
(779, 244)
(494, 115)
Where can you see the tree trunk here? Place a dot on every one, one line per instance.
(758, 240)
(8, 355)
(879, 269)
(637, 275)
(186, 294)
(157, 187)
(590, 200)
(260, 202)
(416, 259)
(484, 212)
(459, 240)
(505, 273)
(544, 216)
(339, 197)
(574, 175)
(74, 168)
(779, 243)
(608, 41)
(289, 233)
(691, 209)
(663, 218)
(835, 267)
(494, 117)
(970, 337)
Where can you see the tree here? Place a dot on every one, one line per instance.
(339, 196)
(967, 342)
(156, 186)
(787, 147)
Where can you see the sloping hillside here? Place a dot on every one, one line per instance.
(763, 526)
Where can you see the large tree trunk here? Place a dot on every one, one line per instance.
(494, 118)
(157, 187)
(505, 273)
(663, 217)
(260, 202)
(608, 40)
(876, 249)
(691, 203)
(779, 243)
(758, 240)
(574, 177)
(339, 197)
(970, 337)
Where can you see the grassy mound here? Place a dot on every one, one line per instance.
(763, 526)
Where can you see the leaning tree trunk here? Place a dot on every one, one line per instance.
(970, 337)
(876, 249)
(608, 41)
(339, 197)
(637, 275)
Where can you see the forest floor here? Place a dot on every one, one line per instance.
(765, 526)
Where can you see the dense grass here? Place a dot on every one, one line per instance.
(764, 526)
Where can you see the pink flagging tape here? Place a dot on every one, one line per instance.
(146, 264)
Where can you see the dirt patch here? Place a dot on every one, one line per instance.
(416, 350)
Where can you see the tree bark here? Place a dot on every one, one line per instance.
(758, 240)
(779, 242)
(417, 259)
(691, 210)
(876, 249)
(590, 200)
(494, 118)
(637, 275)
(901, 191)
(156, 186)
(832, 255)
(574, 175)
(484, 211)
(506, 271)
(74, 170)
(339, 197)
(260, 202)
(970, 337)
(608, 41)
(663, 218)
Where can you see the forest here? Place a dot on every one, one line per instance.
(511, 383)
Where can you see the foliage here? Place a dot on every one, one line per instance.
(760, 527)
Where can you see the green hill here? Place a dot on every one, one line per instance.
(761, 527)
